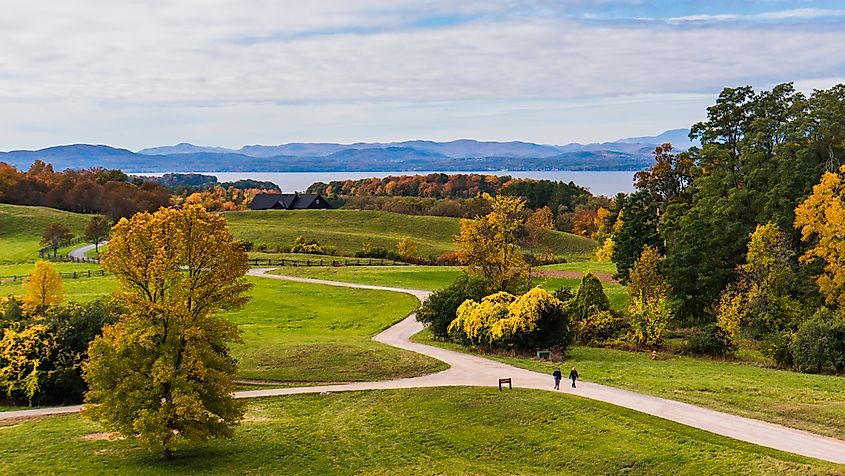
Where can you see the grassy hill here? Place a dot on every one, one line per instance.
(21, 227)
(348, 230)
(408, 432)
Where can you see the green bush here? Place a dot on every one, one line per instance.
(778, 347)
(41, 355)
(600, 327)
(438, 311)
(590, 298)
(710, 340)
(820, 343)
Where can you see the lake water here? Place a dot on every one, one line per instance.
(599, 183)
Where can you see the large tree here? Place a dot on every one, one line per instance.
(163, 372)
(821, 219)
(759, 157)
(488, 245)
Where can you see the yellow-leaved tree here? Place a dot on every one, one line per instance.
(645, 280)
(761, 296)
(406, 247)
(43, 287)
(488, 245)
(163, 372)
(821, 219)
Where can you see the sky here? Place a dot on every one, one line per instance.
(142, 73)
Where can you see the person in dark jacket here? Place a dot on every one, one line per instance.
(557, 375)
(573, 374)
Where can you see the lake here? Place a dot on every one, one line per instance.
(600, 183)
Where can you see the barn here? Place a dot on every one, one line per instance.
(288, 201)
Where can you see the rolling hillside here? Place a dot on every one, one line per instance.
(348, 230)
(21, 227)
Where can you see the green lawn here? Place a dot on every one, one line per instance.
(296, 332)
(809, 402)
(21, 228)
(430, 278)
(415, 431)
(413, 277)
(82, 289)
(583, 267)
(348, 230)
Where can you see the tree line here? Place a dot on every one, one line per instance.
(747, 225)
(108, 192)
(574, 209)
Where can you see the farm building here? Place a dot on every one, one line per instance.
(288, 201)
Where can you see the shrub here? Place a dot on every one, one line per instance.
(447, 259)
(820, 343)
(440, 309)
(600, 327)
(649, 319)
(534, 319)
(474, 321)
(41, 356)
(778, 347)
(710, 340)
(301, 245)
(590, 298)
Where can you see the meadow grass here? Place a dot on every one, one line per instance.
(432, 278)
(413, 431)
(296, 332)
(349, 230)
(809, 402)
(21, 228)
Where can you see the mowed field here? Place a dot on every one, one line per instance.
(307, 333)
(21, 228)
(432, 278)
(349, 230)
(406, 432)
(809, 402)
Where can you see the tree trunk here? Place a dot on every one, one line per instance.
(166, 454)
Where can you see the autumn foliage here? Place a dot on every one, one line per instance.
(163, 372)
(84, 191)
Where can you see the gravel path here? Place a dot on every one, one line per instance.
(470, 370)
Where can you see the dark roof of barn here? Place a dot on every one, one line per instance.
(288, 201)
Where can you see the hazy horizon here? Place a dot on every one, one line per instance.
(228, 73)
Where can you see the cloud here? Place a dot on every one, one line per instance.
(62, 60)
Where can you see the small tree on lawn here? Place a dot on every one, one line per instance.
(43, 287)
(56, 235)
(163, 372)
(406, 247)
(97, 230)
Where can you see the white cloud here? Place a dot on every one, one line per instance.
(62, 60)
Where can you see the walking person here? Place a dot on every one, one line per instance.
(573, 374)
(557, 375)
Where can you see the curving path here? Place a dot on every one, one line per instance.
(79, 253)
(470, 370)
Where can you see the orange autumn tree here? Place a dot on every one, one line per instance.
(821, 219)
(163, 372)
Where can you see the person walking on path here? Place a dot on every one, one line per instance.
(557, 375)
(573, 374)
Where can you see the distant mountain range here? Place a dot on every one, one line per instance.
(633, 153)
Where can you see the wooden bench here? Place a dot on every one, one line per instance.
(503, 381)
